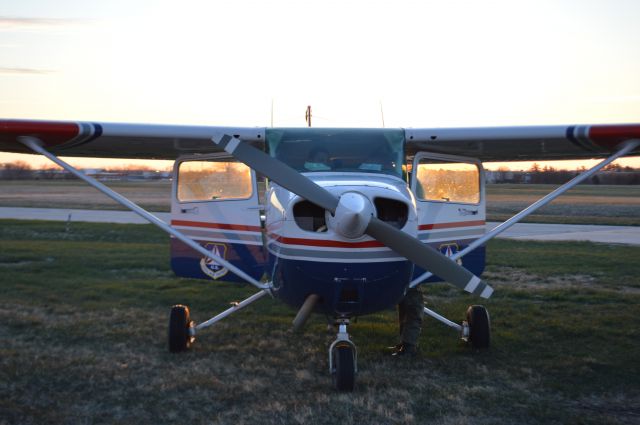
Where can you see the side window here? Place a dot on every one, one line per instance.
(448, 181)
(211, 180)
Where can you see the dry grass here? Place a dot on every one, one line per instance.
(152, 195)
(66, 366)
(615, 205)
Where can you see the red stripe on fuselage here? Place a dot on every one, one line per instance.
(609, 136)
(365, 244)
(50, 133)
(436, 226)
(223, 226)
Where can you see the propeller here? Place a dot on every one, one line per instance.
(355, 209)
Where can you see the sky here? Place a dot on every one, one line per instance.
(357, 63)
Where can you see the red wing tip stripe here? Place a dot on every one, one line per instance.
(224, 226)
(52, 133)
(609, 136)
(325, 242)
(451, 225)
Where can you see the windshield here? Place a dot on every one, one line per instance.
(343, 150)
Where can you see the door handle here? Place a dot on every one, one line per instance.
(193, 210)
(464, 211)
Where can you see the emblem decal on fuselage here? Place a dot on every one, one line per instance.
(209, 266)
(449, 249)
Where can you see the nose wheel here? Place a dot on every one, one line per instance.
(343, 358)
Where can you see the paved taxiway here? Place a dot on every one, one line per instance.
(530, 231)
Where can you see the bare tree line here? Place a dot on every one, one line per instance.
(21, 170)
(613, 174)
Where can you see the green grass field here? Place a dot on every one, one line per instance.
(83, 331)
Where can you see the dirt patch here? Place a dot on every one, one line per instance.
(513, 277)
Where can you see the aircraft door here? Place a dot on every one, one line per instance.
(215, 202)
(450, 197)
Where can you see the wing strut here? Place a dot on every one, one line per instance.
(627, 147)
(36, 145)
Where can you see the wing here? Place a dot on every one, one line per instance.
(112, 140)
(523, 143)
(154, 141)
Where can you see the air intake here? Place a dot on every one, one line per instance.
(392, 212)
(309, 217)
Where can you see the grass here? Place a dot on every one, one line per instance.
(83, 328)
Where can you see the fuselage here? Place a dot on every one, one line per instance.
(303, 248)
(307, 255)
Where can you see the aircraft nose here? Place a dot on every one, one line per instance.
(352, 215)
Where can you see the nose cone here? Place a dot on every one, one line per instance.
(352, 215)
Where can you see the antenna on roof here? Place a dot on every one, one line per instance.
(307, 116)
(381, 114)
(271, 112)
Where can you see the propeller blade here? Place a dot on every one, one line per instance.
(277, 171)
(427, 257)
(399, 241)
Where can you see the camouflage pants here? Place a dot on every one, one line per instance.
(410, 314)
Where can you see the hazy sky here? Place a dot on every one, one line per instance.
(427, 63)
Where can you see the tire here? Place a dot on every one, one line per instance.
(479, 327)
(345, 375)
(179, 323)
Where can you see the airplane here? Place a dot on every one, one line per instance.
(333, 221)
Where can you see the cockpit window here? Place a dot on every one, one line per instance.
(342, 150)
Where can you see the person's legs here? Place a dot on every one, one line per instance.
(410, 315)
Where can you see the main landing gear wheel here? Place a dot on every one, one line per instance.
(479, 326)
(345, 367)
(180, 324)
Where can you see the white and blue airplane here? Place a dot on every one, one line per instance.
(337, 221)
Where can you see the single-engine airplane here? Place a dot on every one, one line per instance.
(347, 219)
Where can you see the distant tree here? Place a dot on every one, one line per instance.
(501, 174)
(129, 167)
(16, 170)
